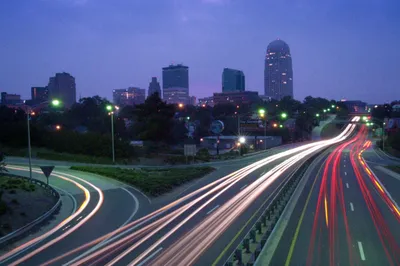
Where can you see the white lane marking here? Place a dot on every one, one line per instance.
(344, 165)
(345, 173)
(150, 257)
(347, 185)
(65, 228)
(262, 173)
(360, 247)
(80, 217)
(351, 206)
(243, 187)
(213, 209)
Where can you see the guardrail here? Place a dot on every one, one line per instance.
(28, 228)
(250, 247)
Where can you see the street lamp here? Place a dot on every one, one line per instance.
(55, 102)
(324, 110)
(242, 140)
(262, 114)
(333, 106)
(284, 115)
(111, 113)
(180, 105)
(317, 115)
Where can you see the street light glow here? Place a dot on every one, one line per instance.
(284, 115)
(333, 106)
(180, 105)
(55, 102)
(242, 140)
(109, 107)
(317, 115)
(324, 110)
(281, 126)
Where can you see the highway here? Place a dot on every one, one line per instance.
(184, 231)
(347, 214)
(203, 226)
(90, 208)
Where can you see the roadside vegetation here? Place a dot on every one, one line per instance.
(331, 130)
(153, 182)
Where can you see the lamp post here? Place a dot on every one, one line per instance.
(262, 115)
(111, 112)
(28, 118)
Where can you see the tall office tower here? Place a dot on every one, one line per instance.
(154, 87)
(176, 84)
(39, 94)
(278, 72)
(62, 87)
(232, 80)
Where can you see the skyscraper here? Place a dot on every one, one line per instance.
(278, 72)
(62, 87)
(154, 87)
(176, 84)
(232, 80)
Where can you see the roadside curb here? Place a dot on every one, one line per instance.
(28, 228)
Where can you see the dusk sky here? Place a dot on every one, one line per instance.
(340, 48)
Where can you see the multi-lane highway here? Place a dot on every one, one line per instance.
(206, 222)
(347, 215)
(196, 228)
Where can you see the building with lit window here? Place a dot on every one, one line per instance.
(129, 96)
(278, 72)
(232, 80)
(10, 99)
(62, 87)
(39, 94)
(236, 98)
(176, 84)
(206, 101)
(154, 87)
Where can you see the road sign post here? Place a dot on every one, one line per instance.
(189, 150)
(217, 126)
(47, 171)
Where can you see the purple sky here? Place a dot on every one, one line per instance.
(340, 48)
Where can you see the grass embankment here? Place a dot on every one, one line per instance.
(331, 130)
(20, 203)
(153, 182)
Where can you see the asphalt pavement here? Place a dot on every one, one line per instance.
(343, 216)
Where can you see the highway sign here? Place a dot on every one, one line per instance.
(47, 171)
(217, 126)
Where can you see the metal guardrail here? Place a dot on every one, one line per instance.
(26, 229)
(251, 245)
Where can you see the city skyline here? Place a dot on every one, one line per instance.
(333, 58)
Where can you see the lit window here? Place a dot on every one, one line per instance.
(284, 82)
(271, 53)
(270, 64)
(283, 74)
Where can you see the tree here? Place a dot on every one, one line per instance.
(2, 163)
(154, 120)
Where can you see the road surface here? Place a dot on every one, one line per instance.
(347, 214)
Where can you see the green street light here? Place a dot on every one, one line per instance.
(324, 110)
(365, 118)
(55, 102)
(317, 115)
(261, 112)
(109, 107)
(284, 115)
(281, 126)
(333, 106)
(329, 109)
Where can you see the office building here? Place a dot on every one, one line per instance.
(232, 80)
(206, 101)
(192, 100)
(62, 87)
(278, 72)
(10, 99)
(154, 87)
(176, 84)
(39, 94)
(129, 96)
(236, 98)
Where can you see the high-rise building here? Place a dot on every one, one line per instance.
(278, 72)
(62, 87)
(236, 98)
(232, 80)
(154, 87)
(39, 94)
(129, 96)
(176, 84)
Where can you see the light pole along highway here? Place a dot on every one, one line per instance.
(29, 114)
(111, 109)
